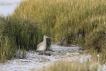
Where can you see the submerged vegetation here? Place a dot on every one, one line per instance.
(78, 22)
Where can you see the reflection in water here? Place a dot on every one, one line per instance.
(7, 7)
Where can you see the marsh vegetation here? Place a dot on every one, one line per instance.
(71, 66)
(78, 22)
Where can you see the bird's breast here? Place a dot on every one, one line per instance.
(42, 48)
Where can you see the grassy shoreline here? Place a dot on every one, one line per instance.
(80, 22)
(71, 66)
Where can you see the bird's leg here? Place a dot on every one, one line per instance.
(43, 52)
(40, 53)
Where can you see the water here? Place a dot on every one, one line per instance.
(7, 7)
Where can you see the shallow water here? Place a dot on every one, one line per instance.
(33, 61)
(7, 7)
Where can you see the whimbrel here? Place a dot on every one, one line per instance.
(42, 46)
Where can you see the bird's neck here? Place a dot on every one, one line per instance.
(44, 40)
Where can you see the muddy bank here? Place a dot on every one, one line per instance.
(34, 61)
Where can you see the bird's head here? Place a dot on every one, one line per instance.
(45, 36)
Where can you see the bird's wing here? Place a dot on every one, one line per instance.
(40, 44)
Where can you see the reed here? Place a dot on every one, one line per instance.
(71, 66)
(7, 50)
(79, 22)
(17, 34)
(72, 19)
(24, 32)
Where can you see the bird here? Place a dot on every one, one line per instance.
(42, 45)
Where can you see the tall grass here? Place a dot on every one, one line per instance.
(79, 22)
(97, 39)
(7, 50)
(16, 34)
(7, 47)
(24, 32)
(72, 19)
(71, 66)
